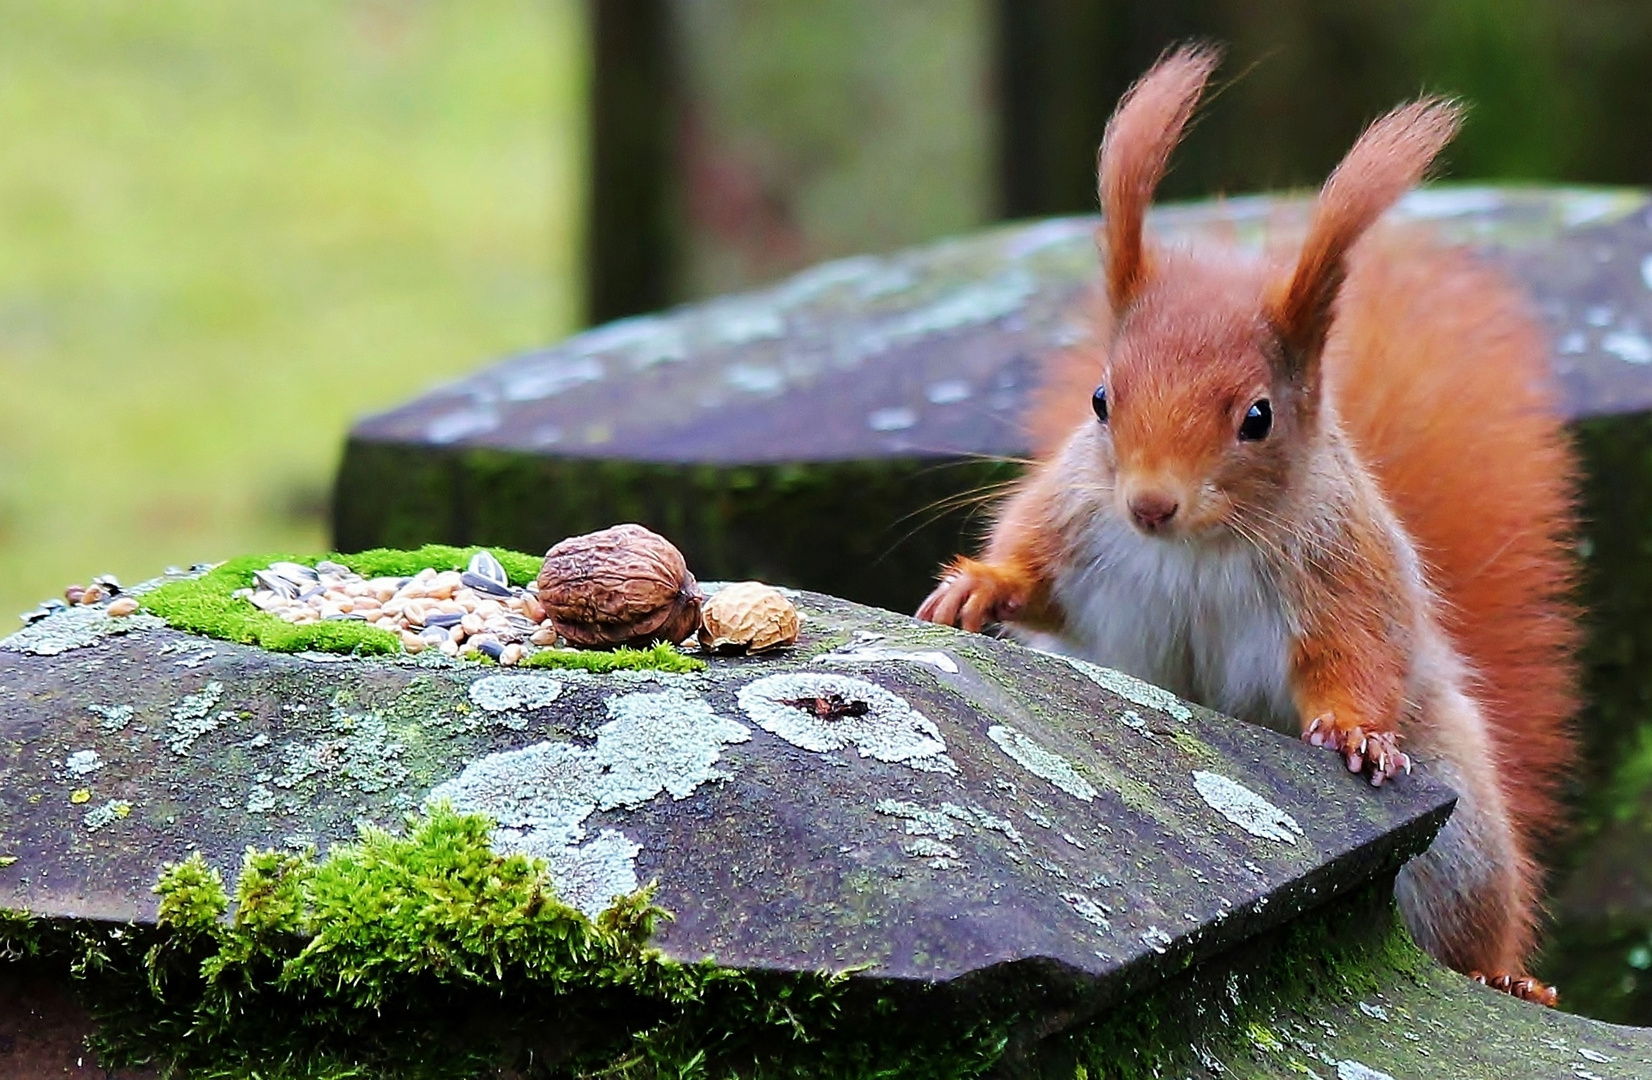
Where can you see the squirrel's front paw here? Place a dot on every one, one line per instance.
(1377, 753)
(1523, 987)
(972, 594)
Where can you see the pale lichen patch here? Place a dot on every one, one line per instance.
(1350, 1069)
(940, 856)
(1157, 939)
(1131, 688)
(82, 762)
(877, 654)
(1087, 909)
(107, 814)
(1245, 808)
(878, 723)
(112, 718)
(540, 796)
(921, 821)
(666, 741)
(933, 828)
(75, 628)
(191, 717)
(513, 693)
(360, 751)
(1041, 762)
(591, 875)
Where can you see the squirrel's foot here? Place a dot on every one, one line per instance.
(1376, 753)
(972, 594)
(1521, 986)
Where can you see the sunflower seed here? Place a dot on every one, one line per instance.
(482, 583)
(275, 583)
(484, 565)
(45, 610)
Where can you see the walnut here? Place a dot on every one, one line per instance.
(621, 586)
(748, 617)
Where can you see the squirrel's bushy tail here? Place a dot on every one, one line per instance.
(1442, 380)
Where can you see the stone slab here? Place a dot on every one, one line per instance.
(977, 804)
(931, 352)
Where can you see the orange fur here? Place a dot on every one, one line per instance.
(1456, 417)
(1407, 506)
(1134, 152)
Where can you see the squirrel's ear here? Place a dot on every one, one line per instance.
(1133, 155)
(1388, 160)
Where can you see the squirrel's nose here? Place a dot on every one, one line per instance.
(1152, 509)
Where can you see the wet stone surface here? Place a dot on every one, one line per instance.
(892, 795)
(931, 352)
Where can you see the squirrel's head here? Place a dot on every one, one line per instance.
(1209, 395)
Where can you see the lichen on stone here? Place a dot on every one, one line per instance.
(260, 800)
(75, 628)
(510, 693)
(875, 654)
(1041, 762)
(590, 875)
(933, 828)
(1088, 910)
(107, 814)
(359, 751)
(1245, 808)
(191, 717)
(1131, 688)
(112, 718)
(883, 726)
(82, 762)
(540, 796)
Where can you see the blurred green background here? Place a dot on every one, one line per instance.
(229, 226)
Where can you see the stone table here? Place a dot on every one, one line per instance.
(965, 826)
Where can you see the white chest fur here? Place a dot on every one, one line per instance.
(1201, 620)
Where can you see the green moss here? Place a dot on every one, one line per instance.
(392, 562)
(377, 960)
(430, 955)
(661, 657)
(208, 605)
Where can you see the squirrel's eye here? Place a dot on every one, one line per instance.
(1098, 402)
(1258, 421)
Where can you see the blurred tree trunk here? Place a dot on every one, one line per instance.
(737, 140)
(632, 88)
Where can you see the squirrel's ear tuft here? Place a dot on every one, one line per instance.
(1134, 152)
(1386, 162)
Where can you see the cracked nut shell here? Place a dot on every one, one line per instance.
(621, 586)
(748, 616)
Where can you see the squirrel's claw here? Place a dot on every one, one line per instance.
(1523, 987)
(971, 595)
(1376, 754)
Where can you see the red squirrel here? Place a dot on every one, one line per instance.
(1329, 492)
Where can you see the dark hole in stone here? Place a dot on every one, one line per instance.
(829, 706)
